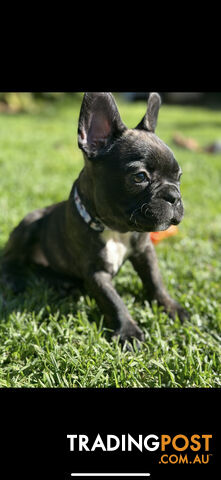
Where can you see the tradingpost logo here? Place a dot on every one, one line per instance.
(173, 449)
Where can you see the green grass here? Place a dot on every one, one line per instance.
(48, 341)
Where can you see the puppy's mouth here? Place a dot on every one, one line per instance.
(155, 218)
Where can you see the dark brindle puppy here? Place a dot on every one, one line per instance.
(129, 186)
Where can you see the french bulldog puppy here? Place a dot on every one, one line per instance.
(129, 186)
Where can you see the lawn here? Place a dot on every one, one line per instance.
(50, 341)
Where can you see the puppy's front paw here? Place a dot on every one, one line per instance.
(176, 309)
(128, 332)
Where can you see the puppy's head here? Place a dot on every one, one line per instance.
(134, 176)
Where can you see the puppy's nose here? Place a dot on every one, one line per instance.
(171, 196)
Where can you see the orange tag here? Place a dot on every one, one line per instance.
(156, 237)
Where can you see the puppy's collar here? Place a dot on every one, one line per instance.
(93, 223)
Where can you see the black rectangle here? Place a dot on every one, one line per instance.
(35, 424)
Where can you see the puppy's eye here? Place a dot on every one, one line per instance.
(141, 177)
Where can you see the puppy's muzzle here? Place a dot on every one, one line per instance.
(170, 194)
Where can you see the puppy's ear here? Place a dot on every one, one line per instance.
(99, 122)
(149, 120)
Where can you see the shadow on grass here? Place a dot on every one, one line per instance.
(41, 290)
(46, 295)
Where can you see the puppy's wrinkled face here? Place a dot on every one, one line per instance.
(137, 184)
(135, 177)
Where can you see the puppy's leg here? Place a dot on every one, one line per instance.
(146, 265)
(13, 264)
(17, 251)
(14, 275)
(115, 312)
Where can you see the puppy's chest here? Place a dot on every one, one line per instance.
(117, 248)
